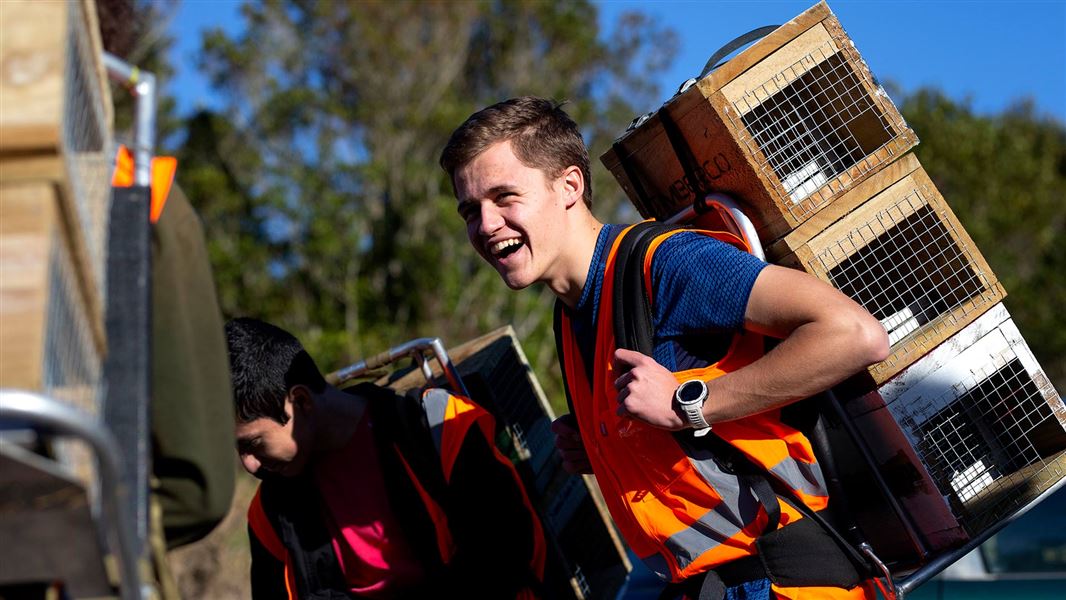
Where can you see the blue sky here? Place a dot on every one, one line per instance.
(990, 53)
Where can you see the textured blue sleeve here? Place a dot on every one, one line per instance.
(700, 285)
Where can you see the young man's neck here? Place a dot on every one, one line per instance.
(575, 257)
(338, 415)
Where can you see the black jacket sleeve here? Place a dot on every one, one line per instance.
(268, 573)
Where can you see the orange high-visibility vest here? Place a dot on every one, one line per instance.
(450, 419)
(676, 508)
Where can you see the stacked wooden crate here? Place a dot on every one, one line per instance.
(960, 423)
(55, 144)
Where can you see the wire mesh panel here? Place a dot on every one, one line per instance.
(586, 558)
(906, 259)
(86, 139)
(53, 342)
(983, 430)
(820, 126)
(787, 127)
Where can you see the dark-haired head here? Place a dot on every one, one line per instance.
(542, 136)
(266, 362)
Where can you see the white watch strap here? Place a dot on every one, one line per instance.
(694, 416)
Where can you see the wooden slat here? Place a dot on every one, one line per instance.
(32, 72)
(27, 228)
(777, 66)
(755, 53)
(33, 229)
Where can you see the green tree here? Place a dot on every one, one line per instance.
(319, 186)
(1005, 178)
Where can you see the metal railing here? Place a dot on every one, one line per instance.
(49, 416)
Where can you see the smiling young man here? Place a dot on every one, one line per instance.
(688, 506)
(368, 494)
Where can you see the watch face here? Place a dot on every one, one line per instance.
(690, 391)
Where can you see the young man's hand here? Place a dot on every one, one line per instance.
(569, 445)
(646, 390)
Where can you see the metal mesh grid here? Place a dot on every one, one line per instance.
(813, 122)
(906, 267)
(72, 362)
(987, 447)
(86, 143)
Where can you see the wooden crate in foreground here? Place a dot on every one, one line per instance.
(786, 126)
(965, 438)
(903, 255)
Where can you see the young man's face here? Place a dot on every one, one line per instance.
(515, 215)
(266, 446)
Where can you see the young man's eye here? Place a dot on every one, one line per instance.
(467, 212)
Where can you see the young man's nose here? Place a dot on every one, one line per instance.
(491, 219)
(250, 463)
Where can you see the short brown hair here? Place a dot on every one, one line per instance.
(542, 134)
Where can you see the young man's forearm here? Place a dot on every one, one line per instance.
(813, 358)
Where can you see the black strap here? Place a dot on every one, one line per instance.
(632, 319)
(690, 165)
(634, 177)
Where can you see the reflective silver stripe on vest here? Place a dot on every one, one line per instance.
(435, 402)
(801, 476)
(738, 507)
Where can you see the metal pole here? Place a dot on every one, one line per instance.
(66, 420)
(143, 87)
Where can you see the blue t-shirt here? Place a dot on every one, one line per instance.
(700, 294)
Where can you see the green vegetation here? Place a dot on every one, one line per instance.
(326, 212)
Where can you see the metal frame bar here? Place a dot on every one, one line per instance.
(62, 419)
(942, 561)
(416, 349)
(142, 85)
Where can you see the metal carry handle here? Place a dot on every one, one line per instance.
(739, 42)
(416, 349)
(55, 416)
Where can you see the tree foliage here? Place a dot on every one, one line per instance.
(326, 211)
(319, 185)
(1005, 178)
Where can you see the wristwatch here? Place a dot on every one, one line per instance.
(690, 397)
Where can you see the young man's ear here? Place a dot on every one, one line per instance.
(301, 397)
(573, 182)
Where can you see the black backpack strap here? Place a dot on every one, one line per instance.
(632, 307)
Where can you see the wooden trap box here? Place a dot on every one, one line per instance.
(586, 558)
(51, 332)
(902, 255)
(964, 438)
(56, 112)
(785, 127)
